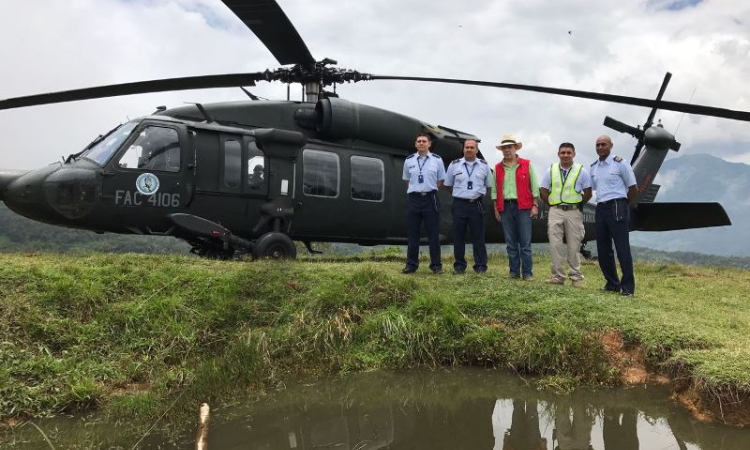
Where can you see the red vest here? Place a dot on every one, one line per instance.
(523, 185)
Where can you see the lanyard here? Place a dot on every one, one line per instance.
(473, 168)
(421, 165)
(564, 173)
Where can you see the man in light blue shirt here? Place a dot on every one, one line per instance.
(424, 173)
(469, 177)
(615, 185)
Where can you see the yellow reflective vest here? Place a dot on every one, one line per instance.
(564, 191)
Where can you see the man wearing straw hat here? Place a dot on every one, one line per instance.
(516, 195)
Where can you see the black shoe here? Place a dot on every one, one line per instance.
(458, 271)
(437, 271)
(626, 294)
(611, 289)
(482, 270)
(408, 269)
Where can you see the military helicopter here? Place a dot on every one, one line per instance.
(253, 177)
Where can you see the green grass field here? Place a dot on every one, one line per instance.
(132, 332)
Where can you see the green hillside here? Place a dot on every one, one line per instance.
(129, 332)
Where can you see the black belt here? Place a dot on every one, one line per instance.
(609, 202)
(566, 207)
(510, 200)
(469, 200)
(421, 194)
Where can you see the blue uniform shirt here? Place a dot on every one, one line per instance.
(460, 172)
(611, 178)
(430, 167)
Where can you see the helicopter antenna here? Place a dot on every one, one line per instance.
(683, 114)
(249, 94)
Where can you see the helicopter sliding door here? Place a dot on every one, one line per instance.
(231, 179)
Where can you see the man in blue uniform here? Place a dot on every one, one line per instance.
(615, 186)
(469, 177)
(424, 173)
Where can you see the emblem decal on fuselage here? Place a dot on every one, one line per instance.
(147, 183)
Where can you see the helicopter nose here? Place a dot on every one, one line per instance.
(24, 194)
(7, 176)
(54, 194)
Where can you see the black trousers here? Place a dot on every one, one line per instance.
(423, 209)
(613, 227)
(468, 215)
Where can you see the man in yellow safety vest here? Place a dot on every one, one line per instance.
(565, 187)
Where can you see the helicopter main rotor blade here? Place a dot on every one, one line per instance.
(267, 20)
(622, 99)
(140, 87)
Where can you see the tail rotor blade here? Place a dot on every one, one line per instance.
(652, 114)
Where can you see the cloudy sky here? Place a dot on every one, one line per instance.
(618, 47)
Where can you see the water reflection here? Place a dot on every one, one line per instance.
(573, 424)
(620, 429)
(465, 409)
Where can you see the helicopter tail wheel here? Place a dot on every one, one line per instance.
(274, 245)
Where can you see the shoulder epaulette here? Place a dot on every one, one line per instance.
(436, 155)
(594, 163)
(411, 156)
(482, 161)
(456, 161)
(617, 159)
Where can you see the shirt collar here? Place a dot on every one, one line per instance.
(425, 156)
(607, 161)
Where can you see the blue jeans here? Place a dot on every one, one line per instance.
(517, 230)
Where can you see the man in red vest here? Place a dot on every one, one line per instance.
(516, 195)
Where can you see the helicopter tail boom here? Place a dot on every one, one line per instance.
(678, 216)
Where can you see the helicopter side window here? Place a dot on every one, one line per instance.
(232, 164)
(321, 173)
(256, 168)
(156, 148)
(368, 179)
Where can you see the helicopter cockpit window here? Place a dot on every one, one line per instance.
(232, 164)
(101, 151)
(321, 173)
(368, 179)
(256, 168)
(156, 148)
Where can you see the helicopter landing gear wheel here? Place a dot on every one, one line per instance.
(274, 245)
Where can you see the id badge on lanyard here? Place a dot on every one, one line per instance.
(470, 183)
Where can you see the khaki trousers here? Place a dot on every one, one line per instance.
(569, 225)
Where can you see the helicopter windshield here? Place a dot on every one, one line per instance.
(102, 150)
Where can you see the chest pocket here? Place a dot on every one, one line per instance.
(613, 178)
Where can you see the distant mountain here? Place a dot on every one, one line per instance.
(704, 178)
